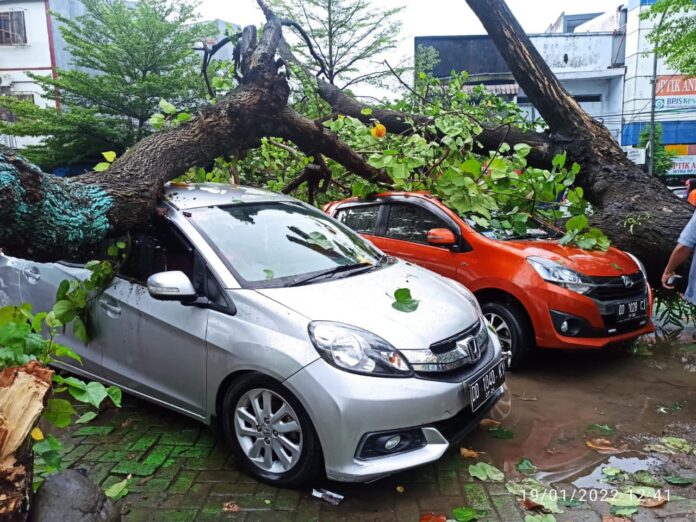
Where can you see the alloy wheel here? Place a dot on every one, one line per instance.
(268, 430)
(502, 329)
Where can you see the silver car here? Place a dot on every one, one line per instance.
(261, 313)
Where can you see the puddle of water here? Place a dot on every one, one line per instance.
(596, 480)
(553, 404)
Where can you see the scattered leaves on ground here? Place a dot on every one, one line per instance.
(539, 518)
(625, 512)
(532, 489)
(652, 502)
(432, 517)
(525, 465)
(623, 500)
(230, 507)
(118, 490)
(400, 489)
(489, 424)
(570, 502)
(672, 408)
(676, 480)
(671, 445)
(602, 429)
(469, 453)
(614, 518)
(613, 474)
(467, 514)
(604, 446)
(483, 471)
(37, 434)
(501, 432)
(646, 478)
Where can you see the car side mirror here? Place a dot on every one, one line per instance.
(171, 286)
(441, 237)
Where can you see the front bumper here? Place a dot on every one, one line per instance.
(345, 406)
(601, 331)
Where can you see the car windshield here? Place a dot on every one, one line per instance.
(283, 243)
(535, 230)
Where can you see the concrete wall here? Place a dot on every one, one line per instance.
(576, 52)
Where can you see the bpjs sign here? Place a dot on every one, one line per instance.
(675, 92)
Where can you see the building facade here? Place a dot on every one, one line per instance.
(606, 63)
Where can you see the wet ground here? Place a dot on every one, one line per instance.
(631, 400)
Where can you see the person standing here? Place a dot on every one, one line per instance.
(681, 253)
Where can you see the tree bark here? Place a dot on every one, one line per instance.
(620, 191)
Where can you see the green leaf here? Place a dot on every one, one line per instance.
(80, 330)
(623, 500)
(570, 502)
(183, 116)
(577, 223)
(403, 302)
(64, 311)
(646, 478)
(624, 511)
(157, 120)
(602, 429)
(472, 166)
(60, 350)
(102, 166)
(109, 156)
(59, 412)
(167, 107)
(559, 160)
(366, 111)
(525, 465)
(483, 471)
(85, 418)
(676, 480)
(93, 393)
(115, 394)
(500, 432)
(467, 514)
(118, 490)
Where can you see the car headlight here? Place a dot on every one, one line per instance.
(555, 273)
(357, 350)
(640, 264)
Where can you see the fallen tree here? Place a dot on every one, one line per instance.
(47, 218)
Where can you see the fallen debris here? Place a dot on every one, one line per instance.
(328, 496)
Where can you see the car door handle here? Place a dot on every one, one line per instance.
(111, 309)
(32, 274)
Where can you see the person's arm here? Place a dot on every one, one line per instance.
(680, 254)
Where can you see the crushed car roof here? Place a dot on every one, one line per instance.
(193, 195)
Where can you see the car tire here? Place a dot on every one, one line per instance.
(513, 329)
(238, 416)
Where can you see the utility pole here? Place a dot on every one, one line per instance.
(653, 81)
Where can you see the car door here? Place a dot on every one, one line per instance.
(10, 279)
(406, 236)
(38, 285)
(154, 348)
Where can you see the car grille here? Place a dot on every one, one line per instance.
(615, 288)
(444, 360)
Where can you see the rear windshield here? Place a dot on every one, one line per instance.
(280, 243)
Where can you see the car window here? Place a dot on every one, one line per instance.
(280, 243)
(411, 223)
(161, 249)
(362, 219)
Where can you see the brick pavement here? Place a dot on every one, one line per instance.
(181, 472)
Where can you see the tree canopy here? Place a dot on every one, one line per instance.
(674, 34)
(126, 57)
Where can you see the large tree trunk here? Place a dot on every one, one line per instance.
(619, 190)
(49, 218)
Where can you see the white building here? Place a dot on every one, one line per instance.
(605, 62)
(30, 41)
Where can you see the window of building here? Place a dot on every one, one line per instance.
(412, 223)
(12, 28)
(5, 114)
(362, 219)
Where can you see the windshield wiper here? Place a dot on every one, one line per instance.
(333, 271)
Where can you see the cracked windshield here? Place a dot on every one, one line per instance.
(336, 260)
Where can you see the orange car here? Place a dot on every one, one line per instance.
(533, 291)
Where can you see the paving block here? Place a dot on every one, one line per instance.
(184, 437)
(183, 482)
(91, 431)
(476, 497)
(145, 442)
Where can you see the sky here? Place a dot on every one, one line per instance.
(428, 17)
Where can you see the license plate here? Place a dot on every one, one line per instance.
(486, 385)
(631, 310)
